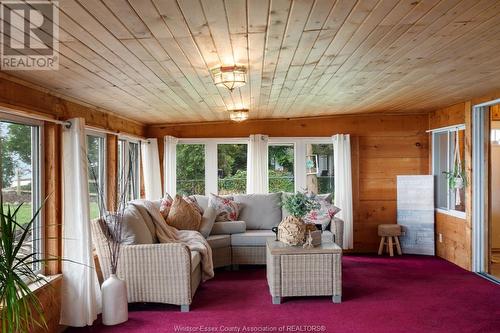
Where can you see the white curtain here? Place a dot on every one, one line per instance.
(81, 296)
(343, 184)
(257, 181)
(151, 169)
(170, 165)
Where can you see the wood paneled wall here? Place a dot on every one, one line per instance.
(30, 100)
(455, 244)
(383, 146)
(111, 170)
(53, 193)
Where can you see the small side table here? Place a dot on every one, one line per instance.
(298, 271)
(388, 233)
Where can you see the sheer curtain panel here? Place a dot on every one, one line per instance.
(151, 169)
(81, 296)
(343, 184)
(257, 180)
(170, 165)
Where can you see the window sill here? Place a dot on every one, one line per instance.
(454, 213)
(50, 279)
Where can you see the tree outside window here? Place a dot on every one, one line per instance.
(190, 169)
(281, 168)
(232, 168)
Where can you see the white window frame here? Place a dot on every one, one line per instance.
(448, 130)
(102, 159)
(125, 162)
(37, 181)
(211, 163)
(299, 143)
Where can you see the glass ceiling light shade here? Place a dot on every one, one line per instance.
(230, 77)
(238, 115)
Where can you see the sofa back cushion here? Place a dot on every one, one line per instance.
(133, 229)
(260, 211)
(202, 200)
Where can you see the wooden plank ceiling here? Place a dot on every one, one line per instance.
(150, 60)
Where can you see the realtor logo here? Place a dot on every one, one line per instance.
(30, 35)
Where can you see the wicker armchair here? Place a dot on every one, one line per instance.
(158, 273)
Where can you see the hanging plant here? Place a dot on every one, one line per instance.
(457, 179)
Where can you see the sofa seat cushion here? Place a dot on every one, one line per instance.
(195, 260)
(252, 238)
(260, 211)
(228, 228)
(219, 241)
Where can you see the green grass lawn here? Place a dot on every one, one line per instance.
(24, 214)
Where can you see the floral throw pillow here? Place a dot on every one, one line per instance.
(322, 215)
(227, 209)
(165, 205)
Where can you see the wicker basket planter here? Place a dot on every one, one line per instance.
(292, 231)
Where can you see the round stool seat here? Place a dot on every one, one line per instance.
(389, 230)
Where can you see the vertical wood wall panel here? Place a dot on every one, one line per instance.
(52, 185)
(111, 170)
(456, 233)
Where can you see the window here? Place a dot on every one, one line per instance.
(448, 156)
(231, 168)
(129, 162)
(322, 181)
(96, 171)
(220, 165)
(281, 168)
(20, 149)
(190, 169)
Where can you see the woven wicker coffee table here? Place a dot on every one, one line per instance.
(296, 271)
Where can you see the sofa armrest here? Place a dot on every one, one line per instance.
(156, 272)
(337, 229)
(228, 228)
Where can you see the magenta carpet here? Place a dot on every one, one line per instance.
(380, 294)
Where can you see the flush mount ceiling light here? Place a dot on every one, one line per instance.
(238, 115)
(230, 77)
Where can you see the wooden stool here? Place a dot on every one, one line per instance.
(387, 233)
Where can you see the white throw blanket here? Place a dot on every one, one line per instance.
(168, 234)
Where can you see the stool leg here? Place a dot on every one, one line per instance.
(398, 246)
(381, 246)
(391, 250)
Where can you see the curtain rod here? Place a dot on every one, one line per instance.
(66, 123)
(37, 117)
(126, 135)
(457, 127)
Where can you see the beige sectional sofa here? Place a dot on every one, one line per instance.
(244, 241)
(170, 273)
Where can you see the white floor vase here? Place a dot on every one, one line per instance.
(114, 301)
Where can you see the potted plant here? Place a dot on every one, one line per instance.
(292, 229)
(20, 309)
